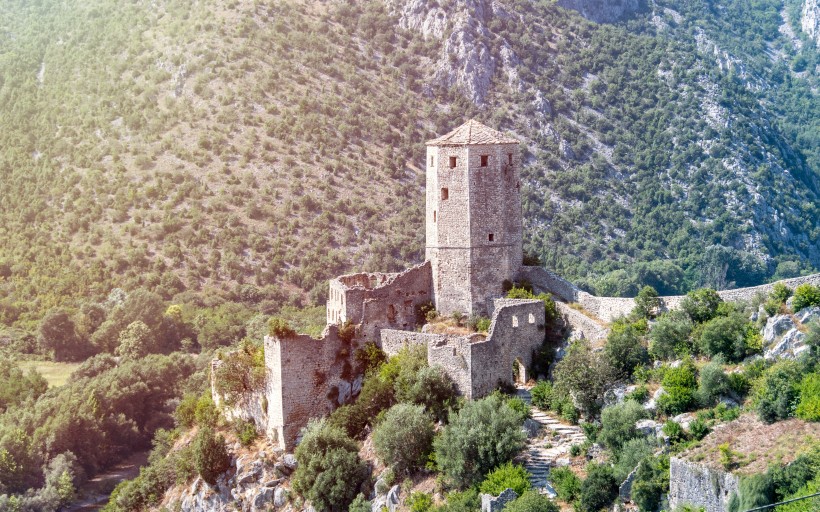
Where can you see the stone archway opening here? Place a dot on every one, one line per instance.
(519, 371)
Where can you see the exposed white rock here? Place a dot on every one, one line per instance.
(810, 20)
(648, 427)
(807, 315)
(776, 326)
(786, 347)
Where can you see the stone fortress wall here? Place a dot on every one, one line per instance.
(609, 308)
(478, 363)
(376, 301)
(696, 483)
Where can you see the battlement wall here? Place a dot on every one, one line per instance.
(379, 301)
(308, 378)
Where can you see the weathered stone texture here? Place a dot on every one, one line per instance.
(490, 503)
(474, 222)
(378, 301)
(308, 378)
(250, 407)
(699, 485)
(475, 363)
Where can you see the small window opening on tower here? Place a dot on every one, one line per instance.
(491, 237)
(432, 160)
(485, 160)
(434, 215)
(453, 162)
(515, 321)
(445, 194)
(509, 158)
(454, 351)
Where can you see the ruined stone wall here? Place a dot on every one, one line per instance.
(579, 325)
(474, 224)
(517, 329)
(308, 378)
(610, 308)
(700, 486)
(477, 363)
(379, 301)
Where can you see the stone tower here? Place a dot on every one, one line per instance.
(474, 227)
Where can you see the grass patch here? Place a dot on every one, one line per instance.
(56, 374)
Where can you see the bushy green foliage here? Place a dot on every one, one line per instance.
(531, 501)
(330, 471)
(618, 424)
(280, 328)
(806, 295)
(369, 357)
(550, 309)
(245, 431)
(360, 504)
(651, 482)
(701, 305)
(599, 488)
(58, 336)
(464, 501)
(646, 302)
(777, 392)
(542, 394)
(479, 437)
(731, 336)
(585, 375)
(808, 408)
(631, 454)
(780, 293)
(404, 437)
(674, 431)
(566, 483)
(211, 457)
(420, 502)
(625, 348)
(680, 385)
(509, 475)
(428, 386)
(16, 386)
(669, 337)
(712, 383)
(241, 371)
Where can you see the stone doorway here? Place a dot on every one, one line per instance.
(519, 371)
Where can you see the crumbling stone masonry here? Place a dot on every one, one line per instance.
(478, 364)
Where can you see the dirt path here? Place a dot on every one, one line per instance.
(94, 494)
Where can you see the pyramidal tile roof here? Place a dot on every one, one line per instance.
(472, 132)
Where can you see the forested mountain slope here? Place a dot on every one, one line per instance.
(250, 150)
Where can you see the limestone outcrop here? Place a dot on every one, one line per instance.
(603, 11)
(810, 20)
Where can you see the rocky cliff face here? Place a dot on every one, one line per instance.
(811, 19)
(602, 11)
(699, 485)
(471, 54)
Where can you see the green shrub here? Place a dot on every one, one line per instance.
(727, 336)
(466, 501)
(701, 305)
(360, 504)
(211, 457)
(698, 428)
(599, 489)
(185, 413)
(506, 476)
(651, 482)
(712, 382)
(518, 405)
(242, 372)
(640, 394)
(206, 413)
(376, 396)
(566, 484)
(808, 408)
(806, 295)
(403, 439)
(777, 392)
(669, 337)
(531, 501)
(369, 358)
(245, 432)
(280, 328)
(618, 424)
(780, 293)
(329, 471)
(675, 431)
(624, 349)
(429, 386)
(754, 491)
(542, 395)
(646, 302)
(680, 385)
(632, 453)
(420, 502)
(482, 435)
(585, 376)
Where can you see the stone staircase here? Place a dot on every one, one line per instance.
(552, 443)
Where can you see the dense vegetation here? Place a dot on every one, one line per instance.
(192, 163)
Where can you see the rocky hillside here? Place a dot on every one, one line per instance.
(250, 150)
